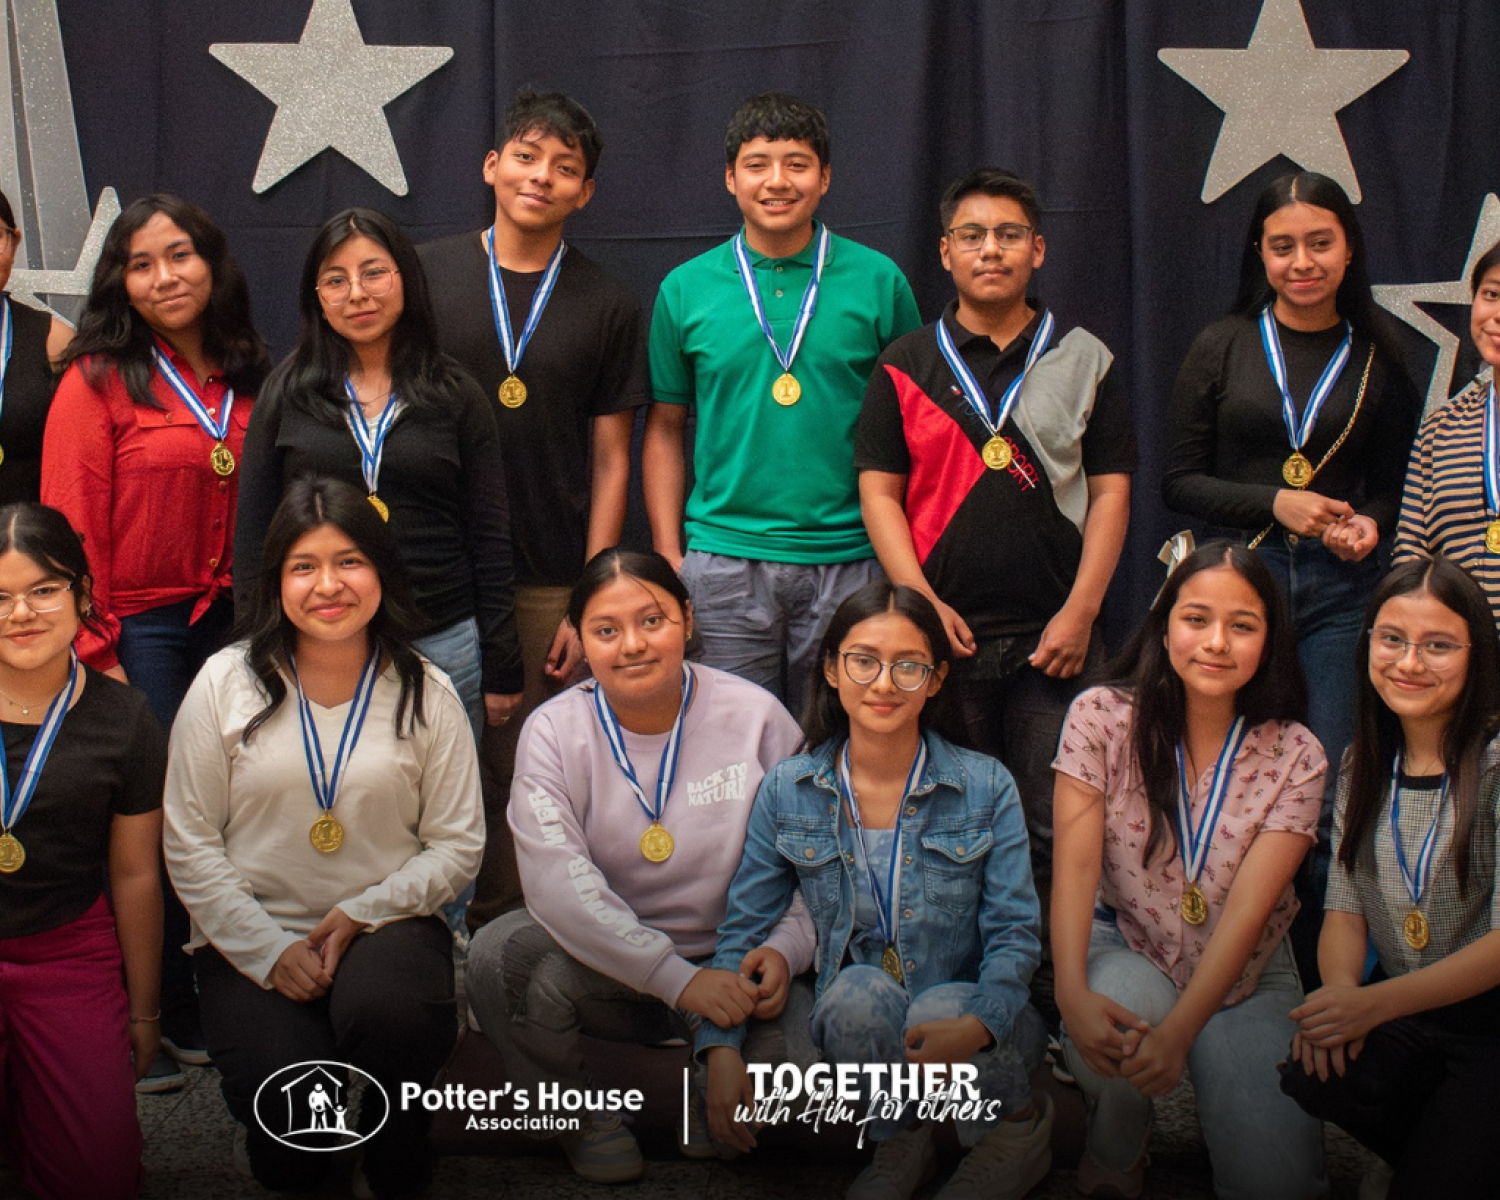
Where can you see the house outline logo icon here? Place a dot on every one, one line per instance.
(307, 1106)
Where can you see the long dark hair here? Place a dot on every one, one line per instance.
(1377, 730)
(1355, 301)
(312, 376)
(112, 334)
(1143, 672)
(825, 719)
(43, 535)
(308, 504)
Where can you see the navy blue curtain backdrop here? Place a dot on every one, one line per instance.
(1069, 93)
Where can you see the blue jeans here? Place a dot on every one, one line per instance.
(1260, 1143)
(455, 652)
(763, 621)
(863, 1016)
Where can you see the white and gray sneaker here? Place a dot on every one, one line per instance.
(901, 1166)
(1009, 1161)
(602, 1150)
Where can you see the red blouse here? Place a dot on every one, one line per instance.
(157, 521)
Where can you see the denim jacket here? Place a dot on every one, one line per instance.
(968, 909)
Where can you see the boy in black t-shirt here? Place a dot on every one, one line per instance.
(556, 342)
(995, 450)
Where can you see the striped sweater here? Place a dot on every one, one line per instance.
(1443, 509)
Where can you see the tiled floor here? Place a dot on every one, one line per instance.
(188, 1158)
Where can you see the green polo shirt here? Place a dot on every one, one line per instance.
(776, 484)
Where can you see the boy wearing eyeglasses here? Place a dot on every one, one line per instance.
(771, 336)
(556, 342)
(995, 451)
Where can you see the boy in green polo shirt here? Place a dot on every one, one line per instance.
(777, 373)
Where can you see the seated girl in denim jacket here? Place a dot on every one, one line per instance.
(913, 858)
(1187, 795)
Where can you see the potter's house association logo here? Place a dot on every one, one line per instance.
(311, 1106)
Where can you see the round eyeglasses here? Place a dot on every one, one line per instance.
(44, 598)
(865, 669)
(1388, 646)
(374, 281)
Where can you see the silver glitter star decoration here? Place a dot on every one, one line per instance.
(1281, 95)
(29, 285)
(330, 90)
(1401, 299)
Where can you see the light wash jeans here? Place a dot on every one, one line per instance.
(455, 652)
(763, 621)
(863, 1017)
(1261, 1144)
(535, 1001)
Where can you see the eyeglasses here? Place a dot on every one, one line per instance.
(971, 237)
(1386, 646)
(865, 669)
(375, 281)
(44, 598)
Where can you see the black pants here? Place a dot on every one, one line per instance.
(1423, 1095)
(390, 1012)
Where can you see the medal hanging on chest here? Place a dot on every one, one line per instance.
(996, 453)
(327, 833)
(786, 390)
(1297, 471)
(1491, 468)
(14, 801)
(513, 392)
(1414, 927)
(371, 443)
(221, 457)
(887, 900)
(1194, 843)
(657, 843)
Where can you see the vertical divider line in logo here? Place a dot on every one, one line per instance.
(685, 1102)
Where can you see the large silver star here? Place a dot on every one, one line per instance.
(29, 285)
(1402, 299)
(1280, 95)
(330, 92)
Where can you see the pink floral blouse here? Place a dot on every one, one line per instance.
(1277, 785)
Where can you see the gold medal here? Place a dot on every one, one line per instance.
(326, 835)
(2, 455)
(222, 459)
(12, 854)
(379, 506)
(1414, 930)
(1194, 906)
(891, 964)
(996, 453)
(512, 392)
(1297, 470)
(656, 844)
(1492, 537)
(786, 391)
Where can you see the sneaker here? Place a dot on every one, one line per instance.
(901, 1166)
(240, 1152)
(182, 1038)
(164, 1075)
(603, 1151)
(1376, 1182)
(695, 1141)
(1009, 1161)
(1094, 1180)
(1059, 1063)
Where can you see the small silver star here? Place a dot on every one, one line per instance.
(1401, 299)
(1281, 95)
(330, 90)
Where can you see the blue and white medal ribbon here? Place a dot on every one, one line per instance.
(7, 338)
(886, 902)
(786, 391)
(1298, 468)
(1414, 928)
(1492, 472)
(997, 453)
(221, 458)
(656, 842)
(1195, 843)
(512, 390)
(327, 835)
(371, 443)
(13, 804)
